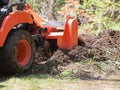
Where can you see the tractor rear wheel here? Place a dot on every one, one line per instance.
(17, 54)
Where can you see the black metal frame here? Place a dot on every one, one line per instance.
(9, 8)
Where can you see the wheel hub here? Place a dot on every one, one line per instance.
(23, 52)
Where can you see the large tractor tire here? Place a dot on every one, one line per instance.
(17, 54)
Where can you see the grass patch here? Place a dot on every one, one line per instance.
(47, 82)
(31, 82)
(34, 82)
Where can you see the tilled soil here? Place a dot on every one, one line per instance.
(99, 58)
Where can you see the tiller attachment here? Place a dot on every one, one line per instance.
(67, 37)
(66, 33)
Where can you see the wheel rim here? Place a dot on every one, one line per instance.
(23, 52)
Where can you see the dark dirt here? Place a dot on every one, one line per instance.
(99, 58)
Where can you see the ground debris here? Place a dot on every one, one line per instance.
(102, 52)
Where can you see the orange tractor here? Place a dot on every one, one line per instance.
(21, 31)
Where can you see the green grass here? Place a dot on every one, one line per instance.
(46, 82)
(32, 82)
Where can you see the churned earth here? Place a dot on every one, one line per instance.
(99, 58)
(94, 65)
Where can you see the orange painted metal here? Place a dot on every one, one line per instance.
(66, 39)
(51, 29)
(70, 36)
(52, 33)
(11, 20)
(17, 17)
(36, 18)
(23, 52)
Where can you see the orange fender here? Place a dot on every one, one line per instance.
(11, 20)
(36, 18)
